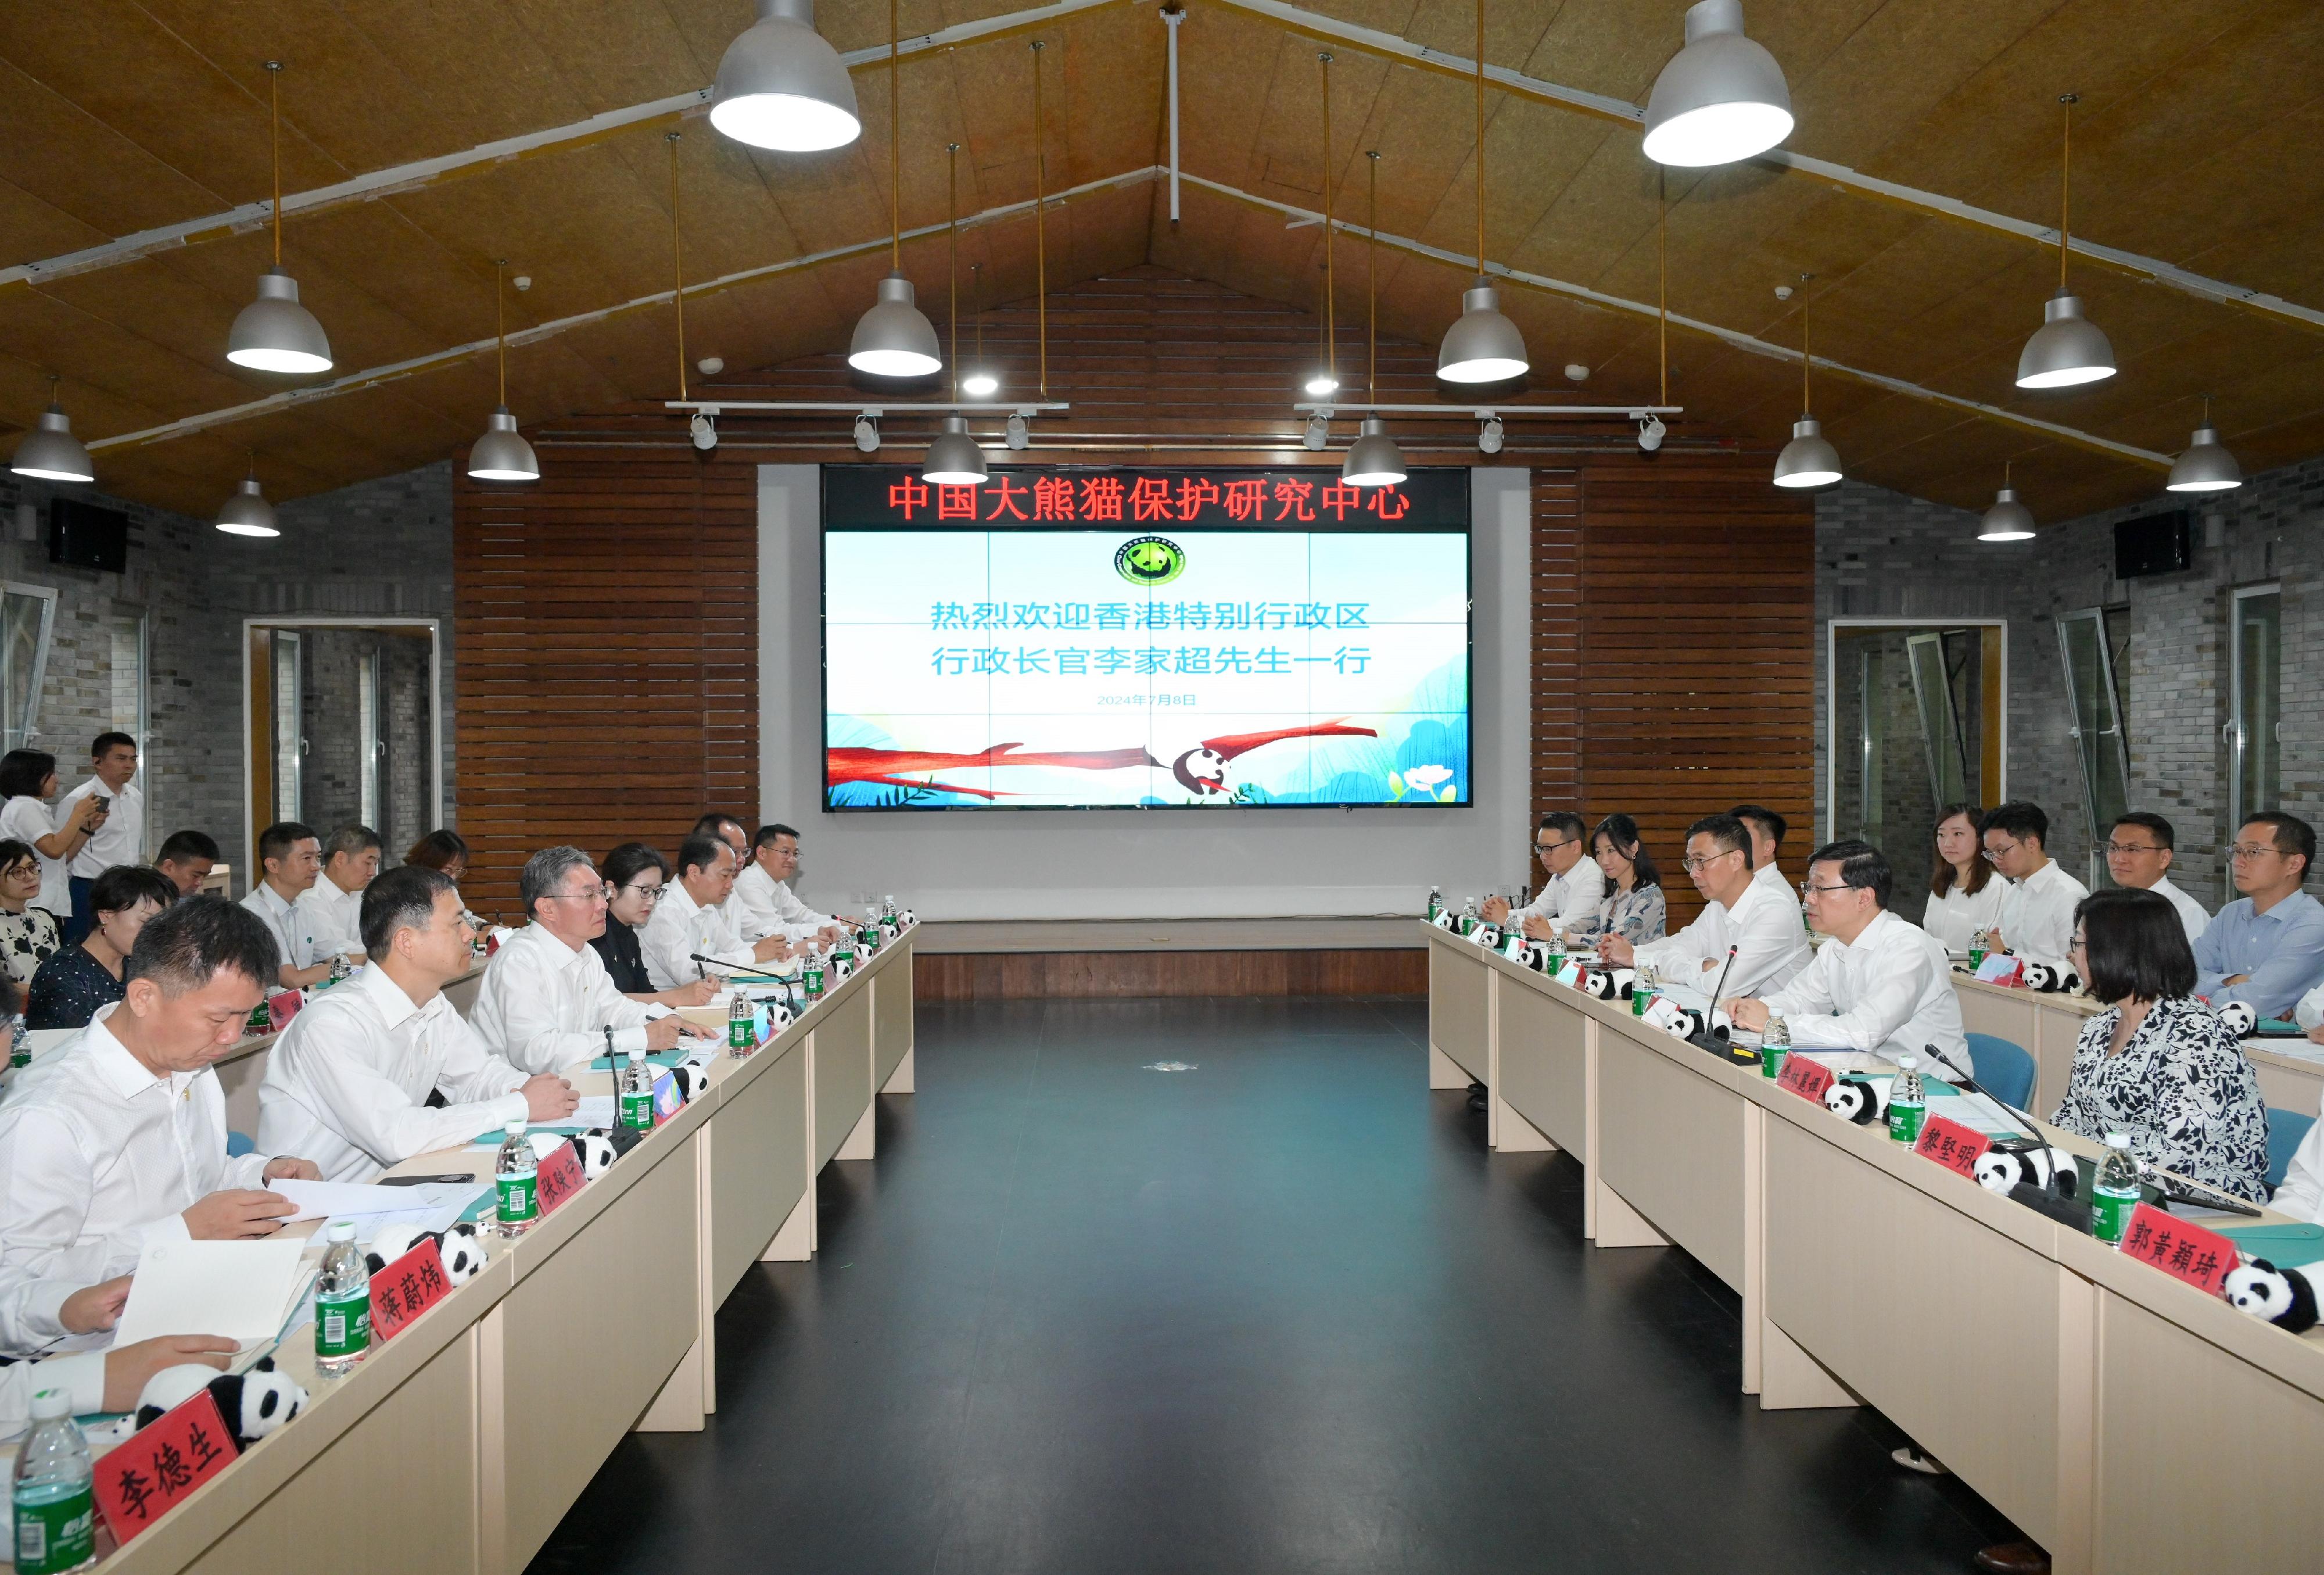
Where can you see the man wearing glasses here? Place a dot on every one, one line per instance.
(2037, 910)
(1576, 884)
(763, 902)
(1880, 983)
(547, 1002)
(2267, 946)
(1763, 928)
(2138, 855)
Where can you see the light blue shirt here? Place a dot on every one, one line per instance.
(2283, 950)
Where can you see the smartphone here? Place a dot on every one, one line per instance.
(103, 804)
(461, 1180)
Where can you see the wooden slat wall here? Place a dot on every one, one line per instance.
(1693, 686)
(607, 687)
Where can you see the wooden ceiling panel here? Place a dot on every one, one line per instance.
(612, 53)
(58, 154)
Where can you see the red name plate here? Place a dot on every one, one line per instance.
(143, 1479)
(1807, 1079)
(558, 1178)
(2185, 1252)
(407, 1288)
(281, 1007)
(1952, 1145)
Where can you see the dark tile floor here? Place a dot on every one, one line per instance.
(1279, 1313)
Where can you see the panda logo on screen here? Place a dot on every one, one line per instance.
(1151, 560)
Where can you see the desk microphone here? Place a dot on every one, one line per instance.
(2048, 1196)
(1717, 1040)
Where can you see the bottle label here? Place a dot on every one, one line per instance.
(57, 1535)
(814, 979)
(1904, 1121)
(1771, 1059)
(740, 1032)
(638, 1110)
(2110, 1213)
(518, 1202)
(342, 1325)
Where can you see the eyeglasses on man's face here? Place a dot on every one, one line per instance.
(1696, 865)
(2248, 852)
(2128, 848)
(597, 894)
(1553, 847)
(1809, 888)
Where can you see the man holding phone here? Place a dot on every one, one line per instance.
(118, 835)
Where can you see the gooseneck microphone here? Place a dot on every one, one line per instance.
(1715, 1039)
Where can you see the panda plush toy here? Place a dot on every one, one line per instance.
(545, 1145)
(1626, 983)
(2007, 1164)
(1601, 984)
(2049, 978)
(890, 930)
(596, 1151)
(778, 1015)
(1488, 936)
(842, 968)
(2241, 1018)
(1446, 920)
(1855, 1099)
(2283, 1296)
(253, 1403)
(692, 1081)
(461, 1249)
(907, 918)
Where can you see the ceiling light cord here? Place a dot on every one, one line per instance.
(678, 265)
(275, 114)
(1481, 141)
(500, 326)
(895, 146)
(1040, 223)
(2066, 188)
(1331, 297)
(952, 262)
(1662, 276)
(1372, 281)
(1807, 356)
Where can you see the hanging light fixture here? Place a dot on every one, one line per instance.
(1482, 346)
(895, 338)
(2206, 466)
(2068, 349)
(980, 382)
(954, 459)
(1808, 459)
(50, 452)
(782, 85)
(678, 286)
(2007, 520)
(501, 454)
(274, 333)
(1718, 99)
(247, 512)
(1373, 459)
(1325, 380)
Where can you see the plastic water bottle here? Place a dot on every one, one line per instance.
(887, 909)
(1435, 902)
(2116, 1192)
(634, 1089)
(342, 1303)
(1908, 1102)
(340, 969)
(1775, 1045)
(20, 1043)
(55, 1492)
(742, 1026)
(517, 1176)
(1469, 917)
(811, 975)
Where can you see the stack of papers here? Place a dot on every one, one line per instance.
(436, 1206)
(236, 1290)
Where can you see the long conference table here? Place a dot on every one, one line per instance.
(2124, 1421)
(456, 1446)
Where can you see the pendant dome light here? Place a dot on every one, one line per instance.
(1373, 459)
(1482, 346)
(1721, 98)
(954, 459)
(274, 333)
(50, 452)
(2007, 520)
(1324, 380)
(2206, 466)
(1809, 460)
(501, 454)
(2068, 349)
(247, 512)
(895, 338)
(781, 86)
(979, 382)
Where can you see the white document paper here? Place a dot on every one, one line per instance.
(595, 1110)
(236, 1290)
(356, 1200)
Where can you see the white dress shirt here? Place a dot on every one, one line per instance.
(2191, 911)
(1889, 992)
(347, 1084)
(81, 1375)
(1770, 944)
(27, 818)
(2037, 913)
(544, 1005)
(762, 906)
(1566, 900)
(99, 1157)
(679, 927)
(121, 839)
(293, 925)
(1955, 918)
(2302, 1196)
(334, 918)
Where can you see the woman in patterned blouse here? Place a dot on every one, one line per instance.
(29, 936)
(1632, 907)
(2160, 1066)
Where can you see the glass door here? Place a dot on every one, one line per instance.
(290, 740)
(2254, 731)
(2085, 641)
(1941, 732)
(27, 613)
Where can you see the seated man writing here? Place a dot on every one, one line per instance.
(1572, 890)
(763, 902)
(116, 1140)
(349, 1080)
(689, 923)
(1762, 928)
(1880, 984)
(547, 1001)
(2266, 948)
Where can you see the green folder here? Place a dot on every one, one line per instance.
(2287, 1247)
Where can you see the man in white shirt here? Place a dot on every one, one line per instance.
(547, 1001)
(1767, 829)
(1573, 887)
(349, 1080)
(290, 857)
(186, 858)
(1763, 929)
(334, 904)
(2037, 910)
(119, 837)
(116, 1140)
(689, 922)
(763, 902)
(1878, 984)
(2139, 854)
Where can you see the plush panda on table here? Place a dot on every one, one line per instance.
(2284, 1297)
(596, 1153)
(692, 1081)
(1855, 1099)
(842, 968)
(252, 1404)
(2050, 978)
(462, 1250)
(907, 918)
(2002, 1167)
(2241, 1018)
(1488, 936)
